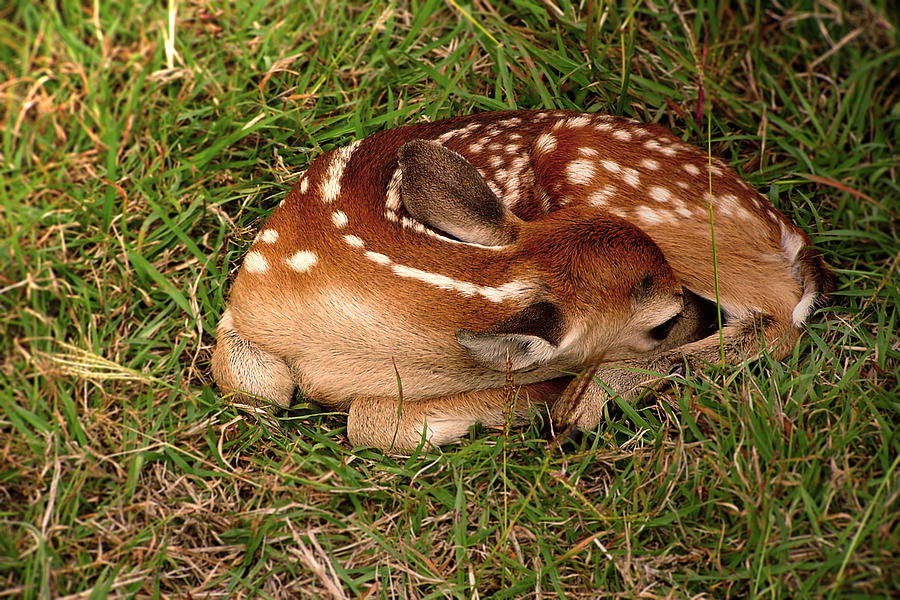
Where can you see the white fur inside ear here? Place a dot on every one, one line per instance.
(513, 350)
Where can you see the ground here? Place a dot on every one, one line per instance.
(141, 148)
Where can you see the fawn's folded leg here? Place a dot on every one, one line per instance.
(384, 423)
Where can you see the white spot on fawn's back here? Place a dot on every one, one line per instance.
(580, 171)
(631, 178)
(339, 219)
(691, 169)
(656, 146)
(578, 122)
(406, 222)
(255, 262)
(392, 199)
(331, 186)
(381, 259)
(545, 142)
(601, 196)
(267, 236)
(302, 261)
(611, 166)
(681, 209)
(463, 131)
(439, 281)
(354, 241)
(513, 289)
(649, 215)
(660, 194)
(650, 164)
(728, 202)
(622, 134)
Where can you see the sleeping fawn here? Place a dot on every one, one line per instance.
(442, 258)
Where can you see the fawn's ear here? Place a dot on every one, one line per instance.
(528, 338)
(443, 190)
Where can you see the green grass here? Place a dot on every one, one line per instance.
(134, 173)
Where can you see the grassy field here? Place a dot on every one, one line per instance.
(141, 147)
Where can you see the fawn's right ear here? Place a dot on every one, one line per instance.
(443, 190)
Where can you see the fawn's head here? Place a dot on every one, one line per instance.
(605, 290)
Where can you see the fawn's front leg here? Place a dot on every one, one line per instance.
(385, 423)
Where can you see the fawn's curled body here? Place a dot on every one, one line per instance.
(546, 243)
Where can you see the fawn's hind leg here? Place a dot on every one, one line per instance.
(240, 366)
(380, 422)
(582, 403)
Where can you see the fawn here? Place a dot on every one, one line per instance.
(441, 258)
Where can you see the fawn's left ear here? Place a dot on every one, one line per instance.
(441, 189)
(528, 338)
